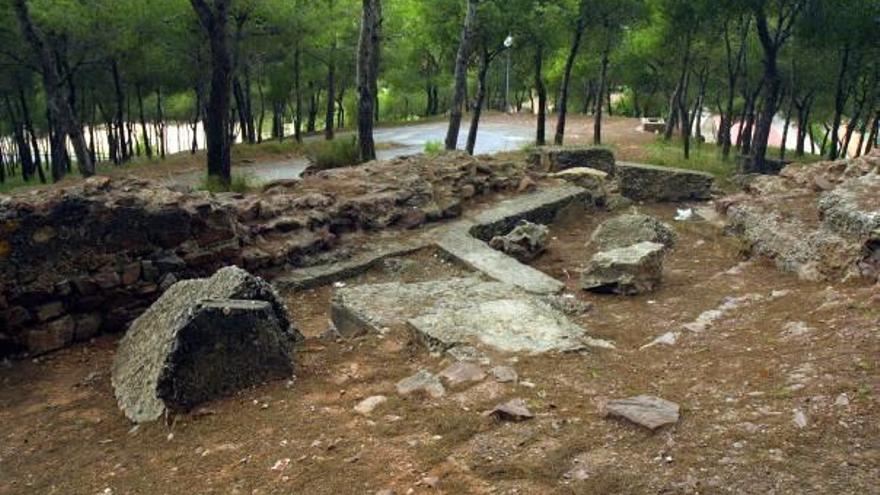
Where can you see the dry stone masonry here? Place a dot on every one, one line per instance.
(79, 260)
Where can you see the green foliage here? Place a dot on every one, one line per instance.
(337, 153)
(241, 183)
(433, 147)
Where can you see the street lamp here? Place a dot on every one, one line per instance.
(508, 42)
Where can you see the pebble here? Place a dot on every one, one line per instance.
(366, 406)
(504, 374)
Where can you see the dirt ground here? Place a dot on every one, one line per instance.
(790, 352)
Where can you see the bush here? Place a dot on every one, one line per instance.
(241, 183)
(335, 153)
(433, 147)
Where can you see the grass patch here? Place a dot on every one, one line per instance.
(336, 153)
(241, 183)
(433, 147)
(706, 157)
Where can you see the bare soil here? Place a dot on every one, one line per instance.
(740, 383)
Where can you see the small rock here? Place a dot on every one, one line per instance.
(645, 410)
(431, 481)
(800, 419)
(842, 400)
(468, 353)
(525, 242)
(462, 372)
(504, 374)
(513, 410)
(423, 381)
(367, 405)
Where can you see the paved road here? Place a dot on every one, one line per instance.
(492, 138)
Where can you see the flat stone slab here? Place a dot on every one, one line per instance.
(362, 309)
(645, 410)
(642, 182)
(511, 325)
(316, 276)
(479, 256)
(459, 312)
(537, 207)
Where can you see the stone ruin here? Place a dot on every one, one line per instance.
(820, 221)
(79, 260)
(203, 339)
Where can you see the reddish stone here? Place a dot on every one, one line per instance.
(412, 219)
(54, 335)
(107, 280)
(15, 317)
(131, 273)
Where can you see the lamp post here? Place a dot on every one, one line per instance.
(508, 42)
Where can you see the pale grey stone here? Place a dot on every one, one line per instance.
(462, 372)
(645, 410)
(423, 381)
(513, 410)
(368, 405)
(504, 374)
(630, 270)
(202, 339)
(626, 230)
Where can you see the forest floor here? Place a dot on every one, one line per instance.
(779, 395)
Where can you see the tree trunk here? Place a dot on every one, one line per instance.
(215, 22)
(541, 90)
(460, 77)
(297, 116)
(29, 128)
(785, 130)
(147, 147)
(840, 97)
(330, 117)
(53, 82)
(120, 119)
(875, 129)
(478, 103)
(196, 117)
(600, 91)
(566, 78)
(160, 123)
(262, 116)
(367, 76)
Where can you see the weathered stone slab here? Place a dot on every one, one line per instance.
(479, 256)
(513, 410)
(626, 230)
(501, 315)
(630, 270)
(538, 207)
(556, 158)
(369, 308)
(645, 410)
(652, 183)
(204, 338)
(853, 207)
(316, 276)
(511, 325)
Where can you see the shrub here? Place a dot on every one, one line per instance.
(333, 154)
(433, 147)
(241, 183)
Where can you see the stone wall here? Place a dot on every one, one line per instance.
(80, 260)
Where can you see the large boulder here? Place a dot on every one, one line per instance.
(626, 230)
(556, 158)
(525, 242)
(203, 339)
(630, 270)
